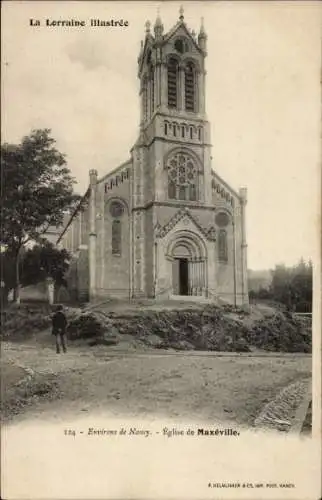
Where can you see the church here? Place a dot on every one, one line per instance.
(163, 224)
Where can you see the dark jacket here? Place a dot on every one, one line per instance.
(59, 322)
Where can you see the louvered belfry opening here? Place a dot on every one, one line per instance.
(189, 88)
(172, 83)
(152, 87)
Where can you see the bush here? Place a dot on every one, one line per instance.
(87, 325)
(15, 398)
(281, 333)
(24, 320)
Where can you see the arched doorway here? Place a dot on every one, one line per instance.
(180, 270)
(187, 253)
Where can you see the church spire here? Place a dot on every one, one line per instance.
(202, 37)
(158, 27)
(202, 29)
(181, 13)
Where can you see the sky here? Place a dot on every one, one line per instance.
(262, 99)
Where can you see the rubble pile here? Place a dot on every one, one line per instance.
(22, 321)
(281, 333)
(210, 329)
(85, 326)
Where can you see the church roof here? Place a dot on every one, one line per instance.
(114, 171)
(225, 184)
(74, 214)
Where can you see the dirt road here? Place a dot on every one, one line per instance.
(151, 384)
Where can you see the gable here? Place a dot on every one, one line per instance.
(180, 29)
(183, 219)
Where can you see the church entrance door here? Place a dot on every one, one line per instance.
(189, 270)
(183, 277)
(180, 277)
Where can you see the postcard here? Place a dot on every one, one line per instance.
(161, 250)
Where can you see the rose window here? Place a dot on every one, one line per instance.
(182, 178)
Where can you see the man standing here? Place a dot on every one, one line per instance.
(59, 322)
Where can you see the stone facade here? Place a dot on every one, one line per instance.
(163, 224)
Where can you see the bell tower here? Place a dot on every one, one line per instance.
(171, 158)
(171, 69)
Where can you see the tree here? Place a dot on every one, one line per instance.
(44, 261)
(7, 275)
(303, 286)
(36, 264)
(36, 191)
(293, 286)
(281, 284)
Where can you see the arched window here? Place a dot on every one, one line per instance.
(181, 46)
(116, 211)
(182, 178)
(192, 192)
(171, 190)
(182, 192)
(182, 131)
(222, 246)
(191, 132)
(116, 237)
(189, 87)
(165, 128)
(173, 83)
